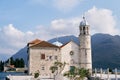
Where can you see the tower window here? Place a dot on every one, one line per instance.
(42, 56)
(42, 68)
(56, 57)
(84, 30)
(50, 57)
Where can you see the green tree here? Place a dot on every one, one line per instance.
(72, 73)
(17, 62)
(83, 73)
(1, 66)
(12, 61)
(77, 74)
(57, 68)
(21, 65)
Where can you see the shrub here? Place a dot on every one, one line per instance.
(36, 75)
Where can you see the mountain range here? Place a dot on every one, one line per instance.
(105, 50)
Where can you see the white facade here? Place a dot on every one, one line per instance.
(70, 55)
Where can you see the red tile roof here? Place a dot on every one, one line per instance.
(34, 41)
(39, 43)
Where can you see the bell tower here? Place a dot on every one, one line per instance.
(85, 45)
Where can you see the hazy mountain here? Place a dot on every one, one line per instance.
(65, 39)
(105, 50)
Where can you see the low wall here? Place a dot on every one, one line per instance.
(28, 78)
(108, 76)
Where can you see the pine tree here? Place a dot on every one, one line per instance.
(21, 63)
(17, 62)
(1, 66)
(12, 61)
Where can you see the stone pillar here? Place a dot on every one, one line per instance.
(101, 73)
(108, 74)
(116, 74)
(95, 72)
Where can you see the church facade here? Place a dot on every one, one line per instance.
(43, 54)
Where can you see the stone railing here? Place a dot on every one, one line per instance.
(107, 74)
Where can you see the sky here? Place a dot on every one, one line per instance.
(24, 20)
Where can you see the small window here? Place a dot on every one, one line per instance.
(50, 57)
(56, 57)
(42, 56)
(42, 68)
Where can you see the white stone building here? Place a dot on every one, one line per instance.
(42, 54)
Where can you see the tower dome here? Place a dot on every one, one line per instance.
(83, 22)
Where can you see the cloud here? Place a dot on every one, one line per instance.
(59, 27)
(65, 5)
(13, 39)
(10, 35)
(61, 5)
(102, 21)
(66, 26)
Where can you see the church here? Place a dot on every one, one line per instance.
(42, 54)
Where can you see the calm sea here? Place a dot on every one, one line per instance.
(4, 74)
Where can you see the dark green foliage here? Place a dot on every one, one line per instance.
(11, 61)
(21, 63)
(53, 68)
(83, 73)
(77, 74)
(36, 75)
(18, 63)
(1, 66)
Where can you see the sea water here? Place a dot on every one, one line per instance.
(4, 74)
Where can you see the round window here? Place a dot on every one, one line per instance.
(71, 52)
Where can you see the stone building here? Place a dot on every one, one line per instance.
(42, 54)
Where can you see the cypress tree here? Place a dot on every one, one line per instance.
(12, 61)
(1, 66)
(22, 63)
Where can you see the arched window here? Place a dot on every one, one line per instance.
(84, 30)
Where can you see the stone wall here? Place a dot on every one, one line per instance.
(37, 64)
